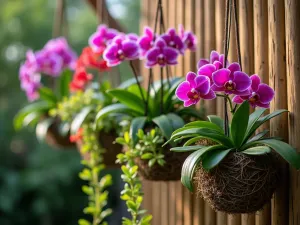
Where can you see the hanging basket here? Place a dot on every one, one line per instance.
(106, 140)
(171, 171)
(55, 139)
(240, 183)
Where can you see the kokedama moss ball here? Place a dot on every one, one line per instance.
(240, 183)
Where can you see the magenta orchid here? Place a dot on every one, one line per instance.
(121, 48)
(260, 94)
(215, 58)
(30, 82)
(99, 40)
(49, 63)
(188, 38)
(173, 40)
(237, 83)
(194, 88)
(161, 54)
(146, 41)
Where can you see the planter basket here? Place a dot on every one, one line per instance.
(112, 150)
(171, 171)
(240, 183)
(55, 139)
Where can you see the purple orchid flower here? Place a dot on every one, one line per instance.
(30, 82)
(188, 38)
(99, 40)
(237, 82)
(260, 94)
(49, 63)
(146, 41)
(173, 40)
(161, 54)
(121, 48)
(193, 89)
(215, 58)
(61, 47)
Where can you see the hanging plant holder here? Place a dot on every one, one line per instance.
(55, 139)
(106, 141)
(240, 183)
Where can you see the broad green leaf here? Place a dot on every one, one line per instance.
(190, 164)
(192, 141)
(213, 158)
(261, 121)
(136, 124)
(32, 118)
(115, 108)
(257, 150)
(239, 124)
(216, 120)
(164, 124)
(126, 84)
(192, 112)
(80, 118)
(186, 148)
(40, 106)
(286, 151)
(129, 99)
(64, 129)
(42, 128)
(176, 121)
(258, 136)
(64, 82)
(171, 92)
(206, 133)
(205, 124)
(47, 95)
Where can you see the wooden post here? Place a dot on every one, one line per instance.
(260, 18)
(292, 8)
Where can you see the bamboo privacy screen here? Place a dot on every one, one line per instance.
(270, 46)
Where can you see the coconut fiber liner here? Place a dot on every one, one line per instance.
(55, 139)
(171, 170)
(240, 183)
(106, 140)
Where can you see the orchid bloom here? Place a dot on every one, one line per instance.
(121, 48)
(161, 54)
(49, 63)
(146, 41)
(90, 59)
(173, 40)
(194, 88)
(237, 83)
(30, 82)
(80, 79)
(260, 94)
(188, 38)
(99, 40)
(215, 58)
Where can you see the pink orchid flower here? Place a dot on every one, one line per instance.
(146, 41)
(173, 40)
(188, 38)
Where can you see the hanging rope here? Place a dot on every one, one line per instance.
(237, 32)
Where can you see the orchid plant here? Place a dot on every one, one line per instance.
(215, 79)
(41, 69)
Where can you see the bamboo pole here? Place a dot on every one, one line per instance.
(292, 8)
(278, 125)
(233, 219)
(164, 202)
(260, 17)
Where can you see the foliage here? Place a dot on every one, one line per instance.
(242, 128)
(132, 192)
(91, 173)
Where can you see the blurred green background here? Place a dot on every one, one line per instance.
(40, 185)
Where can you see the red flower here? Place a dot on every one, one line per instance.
(90, 59)
(76, 137)
(80, 79)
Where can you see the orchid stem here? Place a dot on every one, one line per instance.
(138, 83)
(161, 91)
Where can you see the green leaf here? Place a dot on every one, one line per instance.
(114, 108)
(206, 133)
(239, 124)
(40, 106)
(258, 150)
(79, 119)
(64, 81)
(83, 222)
(151, 162)
(216, 120)
(147, 156)
(260, 121)
(42, 128)
(192, 112)
(176, 121)
(126, 84)
(129, 99)
(165, 125)
(136, 124)
(171, 91)
(205, 124)
(192, 141)
(190, 164)
(258, 136)
(32, 118)
(47, 95)
(213, 158)
(285, 150)
(186, 148)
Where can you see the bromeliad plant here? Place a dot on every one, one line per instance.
(54, 62)
(234, 167)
